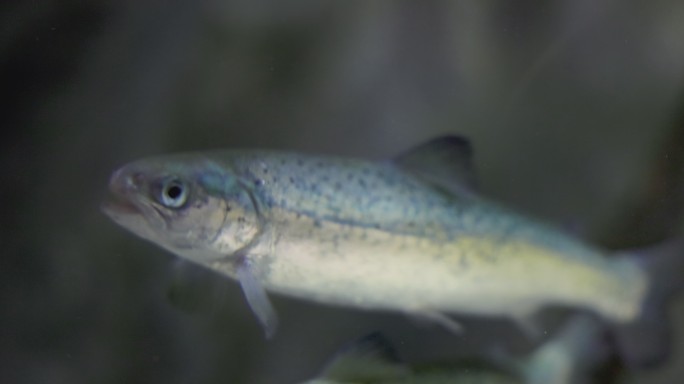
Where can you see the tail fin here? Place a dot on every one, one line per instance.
(576, 350)
(644, 343)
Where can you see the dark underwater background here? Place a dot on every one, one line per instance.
(574, 108)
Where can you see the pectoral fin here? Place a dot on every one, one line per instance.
(257, 299)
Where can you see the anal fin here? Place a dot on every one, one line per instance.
(439, 318)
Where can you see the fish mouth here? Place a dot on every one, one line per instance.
(137, 216)
(116, 206)
(121, 208)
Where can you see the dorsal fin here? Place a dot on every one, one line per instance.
(444, 162)
(369, 358)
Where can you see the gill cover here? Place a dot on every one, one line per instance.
(241, 223)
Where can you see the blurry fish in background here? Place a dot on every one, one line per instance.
(570, 356)
(408, 235)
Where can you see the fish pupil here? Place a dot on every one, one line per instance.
(174, 191)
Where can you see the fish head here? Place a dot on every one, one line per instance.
(185, 204)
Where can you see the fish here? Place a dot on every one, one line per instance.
(410, 234)
(570, 356)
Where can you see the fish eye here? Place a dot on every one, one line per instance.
(174, 193)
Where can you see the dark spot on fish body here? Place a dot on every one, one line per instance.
(334, 239)
(317, 224)
(413, 200)
(198, 203)
(463, 261)
(466, 219)
(489, 257)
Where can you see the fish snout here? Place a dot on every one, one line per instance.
(125, 182)
(125, 187)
